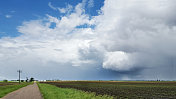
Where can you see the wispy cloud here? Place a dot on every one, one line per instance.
(91, 3)
(68, 9)
(8, 16)
(51, 6)
(12, 11)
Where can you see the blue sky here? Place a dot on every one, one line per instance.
(14, 12)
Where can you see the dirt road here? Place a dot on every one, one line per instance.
(28, 92)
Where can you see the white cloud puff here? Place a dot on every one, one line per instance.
(118, 60)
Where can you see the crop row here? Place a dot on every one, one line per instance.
(123, 89)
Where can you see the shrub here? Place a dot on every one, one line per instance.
(5, 80)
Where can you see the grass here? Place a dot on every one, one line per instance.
(53, 92)
(124, 89)
(8, 83)
(5, 89)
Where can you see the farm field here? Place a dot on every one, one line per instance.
(123, 89)
(7, 87)
(8, 83)
(52, 92)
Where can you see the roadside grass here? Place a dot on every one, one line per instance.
(53, 92)
(4, 90)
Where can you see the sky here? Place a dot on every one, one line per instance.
(88, 39)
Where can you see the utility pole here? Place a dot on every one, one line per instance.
(19, 71)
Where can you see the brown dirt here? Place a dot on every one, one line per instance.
(28, 92)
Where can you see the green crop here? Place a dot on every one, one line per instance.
(53, 92)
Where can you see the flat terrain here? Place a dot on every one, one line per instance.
(52, 92)
(28, 92)
(124, 89)
(7, 87)
(8, 83)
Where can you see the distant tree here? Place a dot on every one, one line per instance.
(22, 80)
(5, 80)
(27, 79)
(31, 79)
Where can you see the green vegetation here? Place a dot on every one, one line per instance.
(53, 92)
(5, 80)
(7, 83)
(124, 89)
(6, 88)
